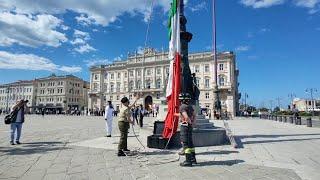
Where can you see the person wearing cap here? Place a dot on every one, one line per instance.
(187, 117)
(108, 116)
(16, 122)
(124, 121)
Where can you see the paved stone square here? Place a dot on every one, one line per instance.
(72, 147)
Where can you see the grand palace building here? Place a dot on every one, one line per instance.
(146, 73)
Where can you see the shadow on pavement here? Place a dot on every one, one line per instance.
(281, 140)
(33, 148)
(217, 152)
(221, 163)
(159, 153)
(272, 138)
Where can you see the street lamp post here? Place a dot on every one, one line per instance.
(217, 103)
(7, 106)
(271, 105)
(291, 96)
(311, 91)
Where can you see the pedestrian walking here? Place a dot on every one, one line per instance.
(16, 122)
(108, 116)
(124, 124)
(141, 115)
(187, 118)
(136, 114)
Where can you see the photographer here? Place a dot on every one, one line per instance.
(17, 120)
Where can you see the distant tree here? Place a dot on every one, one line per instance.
(276, 109)
(264, 109)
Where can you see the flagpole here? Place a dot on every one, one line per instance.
(217, 103)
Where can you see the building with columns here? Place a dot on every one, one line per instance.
(307, 105)
(147, 73)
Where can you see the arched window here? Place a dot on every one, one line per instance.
(221, 80)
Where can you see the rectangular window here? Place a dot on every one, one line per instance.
(158, 71)
(207, 83)
(111, 76)
(148, 72)
(198, 81)
(119, 75)
(167, 70)
(206, 68)
(131, 73)
(197, 68)
(221, 67)
(207, 95)
(139, 72)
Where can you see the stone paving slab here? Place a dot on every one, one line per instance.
(71, 147)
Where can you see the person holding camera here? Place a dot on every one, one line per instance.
(17, 121)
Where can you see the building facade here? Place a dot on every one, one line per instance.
(307, 105)
(11, 93)
(61, 93)
(55, 94)
(147, 74)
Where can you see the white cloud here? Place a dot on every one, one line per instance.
(84, 20)
(312, 5)
(29, 30)
(264, 30)
(101, 12)
(81, 34)
(70, 69)
(65, 28)
(78, 41)
(81, 39)
(31, 62)
(84, 48)
(94, 62)
(242, 48)
(306, 3)
(261, 3)
(199, 6)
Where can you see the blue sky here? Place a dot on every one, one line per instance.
(276, 41)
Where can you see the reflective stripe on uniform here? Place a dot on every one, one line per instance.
(188, 150)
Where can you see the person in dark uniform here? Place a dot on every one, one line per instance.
(124, 121)
(187, 118)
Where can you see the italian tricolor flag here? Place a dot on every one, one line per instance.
(173, 86)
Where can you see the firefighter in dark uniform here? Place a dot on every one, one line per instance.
(187, 121)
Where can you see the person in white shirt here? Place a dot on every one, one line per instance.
(108, 116)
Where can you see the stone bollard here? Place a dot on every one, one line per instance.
(285, 119)
(291, 119)
(309, 122)
(298, 121)
(280, 118)
(276, 118)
